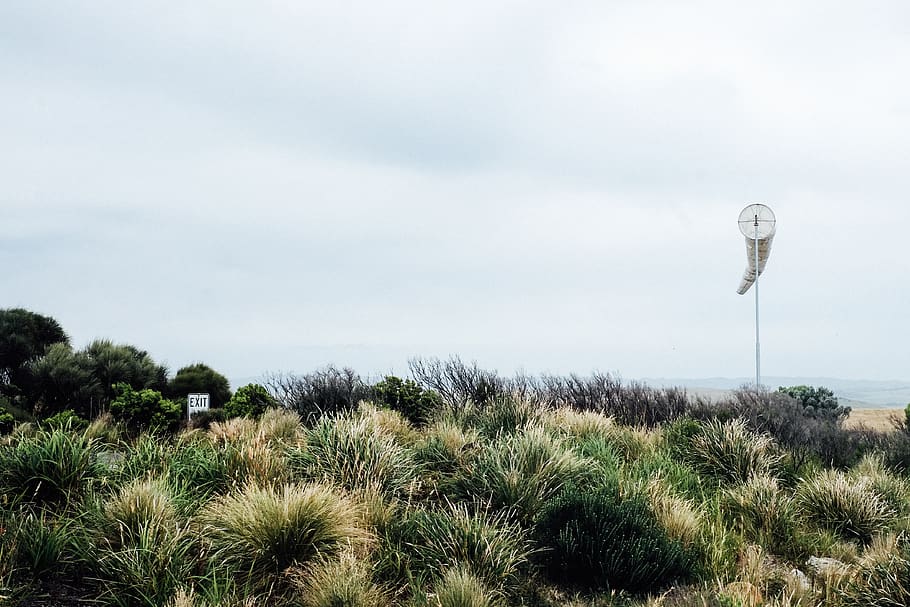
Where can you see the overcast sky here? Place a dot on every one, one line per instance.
(548, 186)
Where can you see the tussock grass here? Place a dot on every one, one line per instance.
(351, 453)
(580, 424)
(681, 518)
(458, 587)
(260, 532)
(765, 513)
(522, 471)
(342, 582)
(849, 507)
(731, 452)
(48, 467)
(486, 544)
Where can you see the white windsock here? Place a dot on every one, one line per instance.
(758, 224)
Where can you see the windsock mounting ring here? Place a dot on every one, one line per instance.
(758, 216)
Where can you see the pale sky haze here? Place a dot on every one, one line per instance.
(275, 186)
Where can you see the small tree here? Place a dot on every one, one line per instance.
(24, 337)
(820, 400)
(144, 409)
(200, 378)
(250, 400)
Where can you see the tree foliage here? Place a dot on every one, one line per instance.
(146, 409)
(407, 397)
(250, 400)
(24, 337)
(818, 400)
(200, 378)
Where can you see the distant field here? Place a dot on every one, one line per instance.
(876, 419)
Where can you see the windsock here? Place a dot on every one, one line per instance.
(764, 251)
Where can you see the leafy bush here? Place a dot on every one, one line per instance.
(144, 409)
(597, 540)
(7, 422)
(260, 532)
(849, 507)
(66, 420)
(250, 400)
(48, 467)
(818, 401)
(729, 451)
(407, 397)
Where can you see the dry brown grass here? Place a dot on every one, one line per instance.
(874, 419)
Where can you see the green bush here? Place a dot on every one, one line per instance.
(7, 422)
(48, 467)
(597, 540)
(199, 378)
(144, 410)
(250, 400)
(66, 420)
(407, 397)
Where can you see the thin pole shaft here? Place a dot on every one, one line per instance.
(757, 344)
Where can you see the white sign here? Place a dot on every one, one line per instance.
(196, 403)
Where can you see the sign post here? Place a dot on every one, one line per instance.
(196, 403)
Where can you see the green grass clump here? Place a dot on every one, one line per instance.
(353, 454)
(458, 587)
(342, 582)
(486, 544)
(597, 540)
(765, 513)
(49, 466)
(259, 532)
(138, 547)
(522, 471)
(849, 507)
(732, 453)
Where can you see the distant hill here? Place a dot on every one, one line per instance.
(860, 393)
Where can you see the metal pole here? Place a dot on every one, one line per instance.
(757, 346)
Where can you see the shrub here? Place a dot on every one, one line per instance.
(7, 422)
(66, 420)
(522, 471)
(250, 400)
(326, 391)
(48, 467)
(849, 507)
(203, 420)
(352, 454)
(260, 532)
(486, 544)
(407, 397)
(458, 383)
(730, 452)
(596, 539)
(144, 409)
(817, 401)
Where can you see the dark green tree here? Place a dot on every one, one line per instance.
(122, 363)
(63, 379)
(24, 337)
(203, 379)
